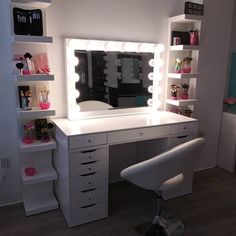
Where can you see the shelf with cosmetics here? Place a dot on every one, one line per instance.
(31, 73)
(184, 33)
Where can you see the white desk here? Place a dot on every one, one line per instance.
(81, 158)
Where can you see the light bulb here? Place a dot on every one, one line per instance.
(75, 61)
(150, 89)
(74, 93)
(152, 62)
(149, 102)
(75, 77)
(151, 76)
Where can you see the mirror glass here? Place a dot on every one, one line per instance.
(117, 78)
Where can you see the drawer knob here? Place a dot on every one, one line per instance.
(89, 157)
(141, 133)
(89, 182)
(184, 127)
(89, 168)
(89, 198)
(89, 140)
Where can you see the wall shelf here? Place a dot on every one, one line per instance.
(184, 48)
(185, 18)
(180, 103)
(37, 203)
(182, 76)
(35, 113)
(42, 175)
(37, 146)
(31, 39)
(34, 77)
(32, 3)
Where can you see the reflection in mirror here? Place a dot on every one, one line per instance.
(119, 79)
(122, 74)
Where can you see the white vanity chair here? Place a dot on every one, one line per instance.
(164, 172)
(93, 105)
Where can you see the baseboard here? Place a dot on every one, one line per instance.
(10, 203)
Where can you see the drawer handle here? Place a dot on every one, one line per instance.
(90, 162)
(93, 173)
(93, 150)
(88, 206)
(184, 136)
(88, 190)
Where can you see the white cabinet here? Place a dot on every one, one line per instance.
(227, 152)
(82, 166)
(37, 189)
(176, 76)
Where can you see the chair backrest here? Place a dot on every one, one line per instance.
(150, 174)
(93, 105)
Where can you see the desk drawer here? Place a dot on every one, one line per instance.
(87, 168)
(88, 156)
(89, 213)
(81, 141)
(86, 182)
(184, 128)
(93, 196)
(138, 134)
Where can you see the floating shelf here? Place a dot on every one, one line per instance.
(33, 3)
(34, 77)
(31, 39)
(183, 102)
(184, 48)
(38, 146)
(37, 203)
(35, 113)
(185, 18)
(42, 175)
(183, 76)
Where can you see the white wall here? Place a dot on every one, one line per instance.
(215, 42)
(133, 20)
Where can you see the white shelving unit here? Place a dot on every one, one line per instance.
(35, 113)
(31, 39)
(37, 190)
(34, 77)
(37, 146)
(42, 175)
(182, 23)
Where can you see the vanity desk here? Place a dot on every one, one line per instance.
(82, 156)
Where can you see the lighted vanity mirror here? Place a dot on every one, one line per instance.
(122, 74)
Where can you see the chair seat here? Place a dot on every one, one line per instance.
(172, 183)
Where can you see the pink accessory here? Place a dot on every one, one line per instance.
(30, 171)
(194, 38)
(44, 105)
(41, 64)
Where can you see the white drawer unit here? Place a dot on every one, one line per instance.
(81, 141)
(138, 134)
(88, 213)
(88, 197)
(88, 168)
(84, 156)
(88, 181)
(184, 128)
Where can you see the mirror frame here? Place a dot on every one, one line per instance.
(71, 44)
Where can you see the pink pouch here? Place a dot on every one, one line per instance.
(41, 64)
